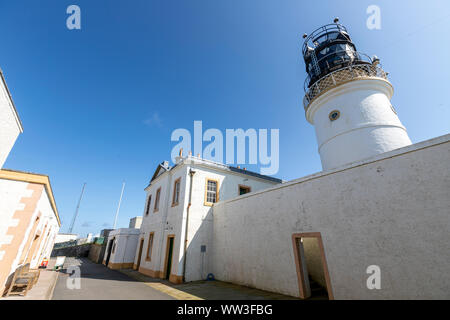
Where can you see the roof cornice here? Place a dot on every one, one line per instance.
(14, 110)
(32, 178)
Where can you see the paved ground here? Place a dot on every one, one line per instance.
(206, 290)
(43, 289)
(101, 283)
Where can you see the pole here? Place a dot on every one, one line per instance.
(76, 210)
(191, 173)
(118, 207)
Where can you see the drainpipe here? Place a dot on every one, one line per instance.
(191, 174)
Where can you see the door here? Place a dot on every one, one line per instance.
(108, 253)
(140, 254)
(311, 264)
(169, 256)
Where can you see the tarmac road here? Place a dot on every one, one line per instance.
(100, 283)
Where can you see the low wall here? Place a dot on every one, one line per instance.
(75, 251)
(96, 252)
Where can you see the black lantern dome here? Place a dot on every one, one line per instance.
(328, 49)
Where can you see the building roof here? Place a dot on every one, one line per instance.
(164, 167)
(32, 178)
(16, 114)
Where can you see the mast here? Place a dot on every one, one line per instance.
(76, 210)
(118, 207)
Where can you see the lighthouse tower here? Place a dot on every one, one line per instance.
(347, 99)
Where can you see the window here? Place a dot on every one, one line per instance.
(158, 194)
(334, 115)
(149, 201)
(149, 247)
(176, 192)
(212, 195)
(244, 190)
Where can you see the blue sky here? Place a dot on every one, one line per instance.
(99, 104)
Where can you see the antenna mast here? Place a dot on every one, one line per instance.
(76, 210)
(118, 207)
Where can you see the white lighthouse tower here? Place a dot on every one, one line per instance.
(348, 100)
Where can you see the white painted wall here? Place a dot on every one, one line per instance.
(135, 222)
(11, 192)
(367, 125)
(126, 240)
(48, 222)
(10, 126)
(391, 211)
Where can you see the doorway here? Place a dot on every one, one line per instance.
(108, 253)
(140, 254)
(169, 253)
(311, 264)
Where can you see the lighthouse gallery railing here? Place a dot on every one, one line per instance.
(341, 76)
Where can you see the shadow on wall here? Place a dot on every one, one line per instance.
(198, 263)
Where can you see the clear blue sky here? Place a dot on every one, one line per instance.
(99, 105)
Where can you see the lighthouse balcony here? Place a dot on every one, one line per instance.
(338, 77)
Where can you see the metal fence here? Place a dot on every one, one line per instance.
(341, 76)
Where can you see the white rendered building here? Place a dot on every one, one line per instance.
(65, 237)
(10, 124)
(121, 248)
(29, 220)
(176, 233)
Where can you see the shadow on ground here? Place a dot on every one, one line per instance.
(210, 290)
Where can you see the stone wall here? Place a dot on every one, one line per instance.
(97, 252)
(75, 251)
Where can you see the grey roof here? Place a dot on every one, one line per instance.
(254, 174)
(166, 167)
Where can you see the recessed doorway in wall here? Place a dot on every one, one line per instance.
(169, 253)
(312, 270)
(141, 246)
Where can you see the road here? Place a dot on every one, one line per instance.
(98, 282)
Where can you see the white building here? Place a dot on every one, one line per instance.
(29, 220)
(65, 237)
(121, 245)
(176, 231)
(135, 222)
(121, 248)
(10, 124)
